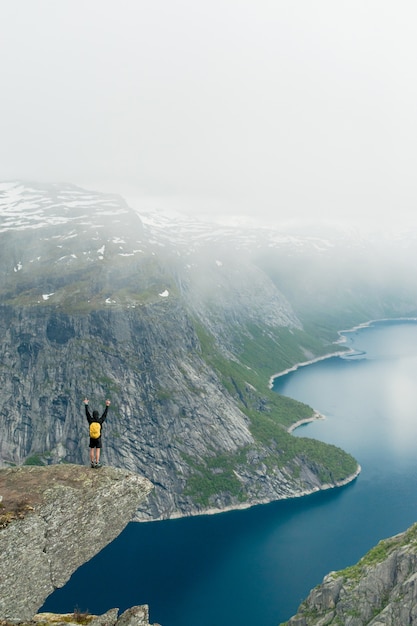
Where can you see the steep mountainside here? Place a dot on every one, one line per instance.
(379, 591)
(181, 329)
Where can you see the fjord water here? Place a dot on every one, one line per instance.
(255, 566)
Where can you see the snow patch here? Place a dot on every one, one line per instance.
(164, 294)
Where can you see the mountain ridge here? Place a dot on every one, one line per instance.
(184, 339)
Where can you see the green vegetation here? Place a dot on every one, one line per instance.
(245, 377)
(84, 285)
(244, 381)
(215, 475)
(35, 459)
(270, 350)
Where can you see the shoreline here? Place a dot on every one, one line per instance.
(248, 505)
(316, 416)
(341, 340)
(307, 420)
(297, 366)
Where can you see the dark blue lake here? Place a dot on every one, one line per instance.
(255, 566)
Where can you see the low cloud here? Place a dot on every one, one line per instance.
(276, 109)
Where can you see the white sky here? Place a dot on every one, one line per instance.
(264, 107)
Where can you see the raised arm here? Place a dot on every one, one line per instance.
(103, 417)
(87, 412)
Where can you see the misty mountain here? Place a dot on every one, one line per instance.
(319, 268)
(181, 324)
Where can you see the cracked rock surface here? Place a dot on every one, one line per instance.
(67, 514)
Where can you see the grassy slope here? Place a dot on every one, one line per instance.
(264, 351)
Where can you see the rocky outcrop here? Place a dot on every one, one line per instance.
(59, 518)
(381, 590)
(135, 616)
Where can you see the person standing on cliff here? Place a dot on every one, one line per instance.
(95, 422)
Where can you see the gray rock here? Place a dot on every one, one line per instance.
(107, 619)
(74, 512)
(381, 590)
(135, 616)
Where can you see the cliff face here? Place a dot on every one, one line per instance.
(163, 394)
(169, 409)
(380, 590)
(65, 515)
(95, 305)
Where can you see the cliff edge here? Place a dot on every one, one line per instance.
(53, 520)
(381, 590)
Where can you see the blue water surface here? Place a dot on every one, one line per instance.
(256, 565)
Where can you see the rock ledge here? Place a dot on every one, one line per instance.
(65, 515)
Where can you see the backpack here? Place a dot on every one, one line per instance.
(95, 430)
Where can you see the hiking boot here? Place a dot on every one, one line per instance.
(92, 464)
(97, 465)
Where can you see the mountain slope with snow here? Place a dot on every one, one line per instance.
(181, 323)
